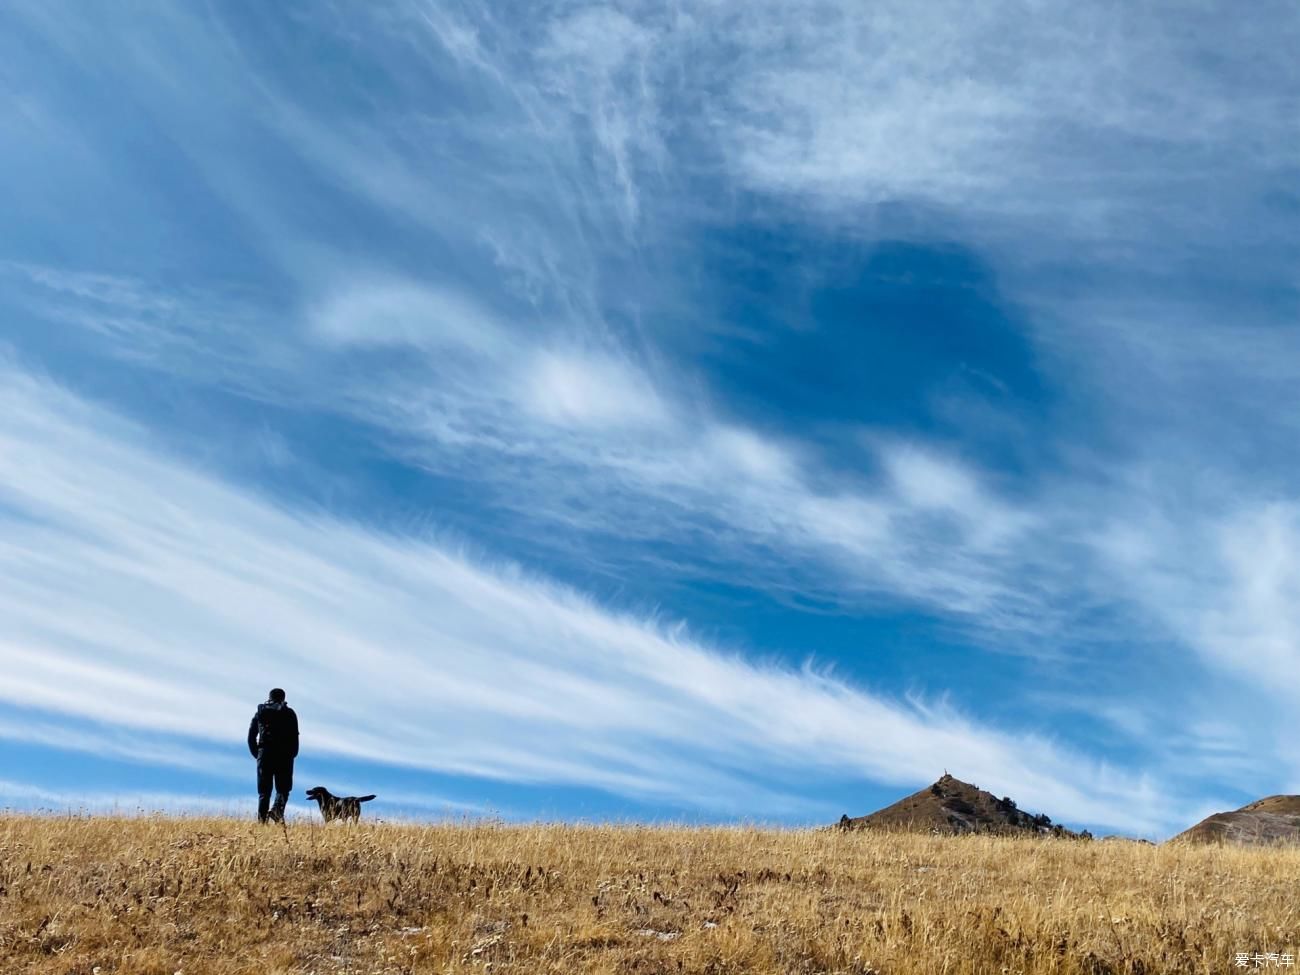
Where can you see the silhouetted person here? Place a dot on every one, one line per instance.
(273, 740)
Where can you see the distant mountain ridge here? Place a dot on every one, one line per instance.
(1274, 819)
(951, 806)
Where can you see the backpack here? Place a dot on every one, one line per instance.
(270, 727)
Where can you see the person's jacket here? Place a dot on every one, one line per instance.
(273, 731)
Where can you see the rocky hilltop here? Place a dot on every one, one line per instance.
(952, 806)
(1275, 819)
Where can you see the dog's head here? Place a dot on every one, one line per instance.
(318, 792)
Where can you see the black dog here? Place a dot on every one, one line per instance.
(337, 807)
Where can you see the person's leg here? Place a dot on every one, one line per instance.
(283, 787)
(265, 774)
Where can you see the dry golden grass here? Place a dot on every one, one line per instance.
(218, 897)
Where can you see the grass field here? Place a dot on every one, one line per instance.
(219, 896)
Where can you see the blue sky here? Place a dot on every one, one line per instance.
(704, 412)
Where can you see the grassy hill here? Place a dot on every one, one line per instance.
(951, 806)
(220, 897)
(1275, 819)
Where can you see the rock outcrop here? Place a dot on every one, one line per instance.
(951, 806)
(1275, 819)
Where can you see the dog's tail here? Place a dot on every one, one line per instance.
(364, 798)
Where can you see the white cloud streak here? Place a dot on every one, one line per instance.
(408, 653)
(1140, 146)
(26, 797)
(1106, 121)
(122, 744)
(642, 456)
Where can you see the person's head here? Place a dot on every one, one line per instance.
(276, 695)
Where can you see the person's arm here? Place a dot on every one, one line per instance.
(293, 730)
(252, 737)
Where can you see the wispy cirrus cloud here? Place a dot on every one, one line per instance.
(118, 743)
(157, 556)
(1104, 121)
(494, 243)
(643, 455)
(21, 795)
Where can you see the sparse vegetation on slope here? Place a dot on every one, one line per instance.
(953, 806)
(1275, 819)
(221, 897)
